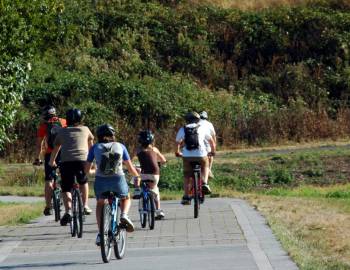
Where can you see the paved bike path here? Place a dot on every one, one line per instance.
(229, 234)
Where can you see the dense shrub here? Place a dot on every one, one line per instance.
(264, 75)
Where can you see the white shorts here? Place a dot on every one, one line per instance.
(155, 179)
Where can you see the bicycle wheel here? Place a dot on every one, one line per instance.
(120, 238)
(143, 211)
(77, 218)
(56, 199)
(105, 233)
(151, 211)
(73, 222)
(196, 195)
(80, 215)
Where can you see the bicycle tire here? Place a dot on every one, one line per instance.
(80, 215)
(73, 223)
(56, 202)
(195, 195)
(120, 239)
(151, 211)
(105, 233)
(143, 211)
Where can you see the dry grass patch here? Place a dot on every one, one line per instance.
(316, 232)
(13, 213)
(250, 4)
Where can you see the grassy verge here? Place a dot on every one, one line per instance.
(15, 213)
(315, 231)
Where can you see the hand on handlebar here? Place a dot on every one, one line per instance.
(211, 154)
(37, 162)
(178, 154)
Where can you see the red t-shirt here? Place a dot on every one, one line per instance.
(42, 132)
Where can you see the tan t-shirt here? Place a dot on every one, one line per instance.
(74, 143)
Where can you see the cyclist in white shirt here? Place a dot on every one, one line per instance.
(190, 144)
(208, 125)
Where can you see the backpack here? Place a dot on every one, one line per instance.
(110, 160)
(191, 137)
(53, 126)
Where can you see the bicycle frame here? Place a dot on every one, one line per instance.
(115, 233)
(196, 189)
(146, 210)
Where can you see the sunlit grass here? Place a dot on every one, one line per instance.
(19, 213)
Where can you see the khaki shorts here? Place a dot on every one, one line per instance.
(188, 170)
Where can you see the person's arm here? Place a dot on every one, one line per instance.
(160, 157)
(212, 146)
(53, 155)
(179, 142)
(88, 168)
(90, 140)
(131, 168)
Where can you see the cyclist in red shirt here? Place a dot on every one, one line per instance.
(45, 137)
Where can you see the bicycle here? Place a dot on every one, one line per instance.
(147, 205)
(112, 232)
(196, 190)
(76, 223)
(56, 195)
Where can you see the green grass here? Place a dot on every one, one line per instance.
(19, 213)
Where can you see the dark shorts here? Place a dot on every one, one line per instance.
(48, 168)
(71, 170)
(116, 184)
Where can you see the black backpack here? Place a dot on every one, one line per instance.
(191, 137)
(53, 126)
(109, 160)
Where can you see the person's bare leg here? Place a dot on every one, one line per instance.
(67, 201)
(99, 207)
(125, 205)
(84, 189)
(48, 193)
(205, 174)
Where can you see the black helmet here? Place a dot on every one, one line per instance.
(204, 115)
(73, 116)
(48, 112)
(192, 117)
(146, 137)
(105, 130)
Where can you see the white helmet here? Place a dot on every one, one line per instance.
(204, 115)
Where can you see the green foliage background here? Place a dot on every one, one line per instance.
(264, 76)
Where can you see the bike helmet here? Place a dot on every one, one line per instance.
(146, 137)
(48, 112)
(105, 130)
(192, 117)
(204, 115)
(73, 116)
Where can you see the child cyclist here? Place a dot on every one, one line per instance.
(110, 157)
(149, 156)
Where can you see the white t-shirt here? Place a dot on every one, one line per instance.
(209, 126)
(203, 135)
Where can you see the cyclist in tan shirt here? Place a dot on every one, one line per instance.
(74, 141)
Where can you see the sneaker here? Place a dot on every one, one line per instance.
(206, 189)
(186, 200)
(137, 193)
(87, 210)
(159, 214)
(67, 218)
(98, 240)
(126, 221)
(47, 211)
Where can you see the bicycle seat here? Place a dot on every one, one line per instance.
(147, 181)
(195, 164)
(107, 194)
